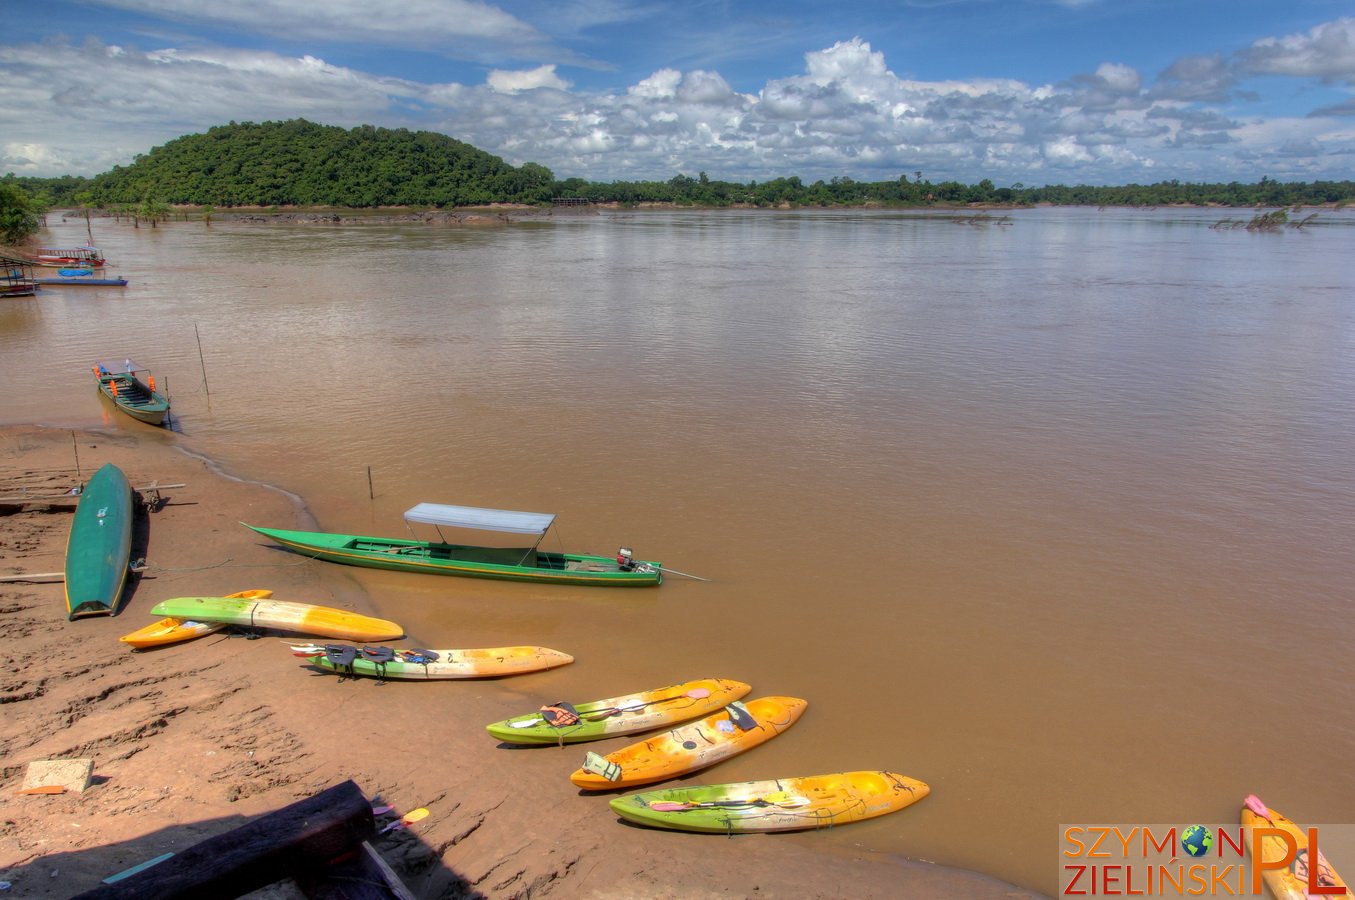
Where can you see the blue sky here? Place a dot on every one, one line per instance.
(1016, 91)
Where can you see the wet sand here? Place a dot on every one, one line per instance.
(194, 739)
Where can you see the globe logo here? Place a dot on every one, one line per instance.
(1196, 840)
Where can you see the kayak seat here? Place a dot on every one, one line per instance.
(560, 714)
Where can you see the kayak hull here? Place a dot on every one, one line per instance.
(694, 746)
(99, 547)
(170, 630)
(484, 662)
(1289, 882)
(785, 804)
(626, 714)
(302, 618)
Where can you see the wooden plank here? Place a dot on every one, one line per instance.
(305, 835)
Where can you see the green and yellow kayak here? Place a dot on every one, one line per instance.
(99, 548)
(571, 723)
(170, 630)
(303, 618)
(690, 747)
(785, 804)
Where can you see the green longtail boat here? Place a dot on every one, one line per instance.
(99, 549)
(120, 382)
(443, 558)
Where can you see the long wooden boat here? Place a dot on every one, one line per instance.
(431, 665)
(98, 551)
(121, 383)
(443, 558)
(81, 278)
(571, 723)
(170, 630)
(59, 257)
(303, 618)
(782, 804)
(688, 748)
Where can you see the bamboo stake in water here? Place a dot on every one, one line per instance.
(202, 361)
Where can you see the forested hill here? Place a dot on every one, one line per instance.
(300, 163)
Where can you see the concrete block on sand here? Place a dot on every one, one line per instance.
(70, 774)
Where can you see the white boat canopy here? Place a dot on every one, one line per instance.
(483, 519)
(121, 366)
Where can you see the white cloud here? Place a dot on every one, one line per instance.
(1327, 52)
(82, 109)
(506, 82)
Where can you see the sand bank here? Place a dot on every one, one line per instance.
(193, 739)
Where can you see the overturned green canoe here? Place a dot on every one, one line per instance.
(99, 548)
(443, 558)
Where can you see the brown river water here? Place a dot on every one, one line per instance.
(1053, 511)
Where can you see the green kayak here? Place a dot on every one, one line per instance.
(100, 545)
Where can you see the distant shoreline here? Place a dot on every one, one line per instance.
(505, 213)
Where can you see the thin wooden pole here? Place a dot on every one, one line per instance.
(371, 494)
(75, 448)
(202, 361)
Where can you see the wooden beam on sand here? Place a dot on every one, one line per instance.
(39, 578)
(306, 835)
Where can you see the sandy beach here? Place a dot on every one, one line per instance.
(194, 739)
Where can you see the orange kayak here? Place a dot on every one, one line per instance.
(688, 748)
(1291, 881)
(170, 630)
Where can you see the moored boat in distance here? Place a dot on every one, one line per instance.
(81, 277)
(119, 382)
(443, 558)
(58, 257)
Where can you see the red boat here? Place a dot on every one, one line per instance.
(76, 256)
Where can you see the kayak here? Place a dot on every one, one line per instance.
(170, 630)
(1289, 882)
(570, 723)
(786, 804)
(690, 747)
(99, 548)
(431, 665)
(305, 618)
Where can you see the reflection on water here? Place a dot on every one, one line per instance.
(1052, 513)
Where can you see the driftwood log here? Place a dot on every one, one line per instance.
(306, 835)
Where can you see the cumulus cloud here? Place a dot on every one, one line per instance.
(844, 113)
(1326, 52)
(512, 82)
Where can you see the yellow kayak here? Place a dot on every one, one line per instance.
(170, 630)
(696, 745)
(303, 618)
(566, 723)
(1289, 882)
(786, 804)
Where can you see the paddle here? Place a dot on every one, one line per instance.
(597, 715)
(407, 819)
(780, 799)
